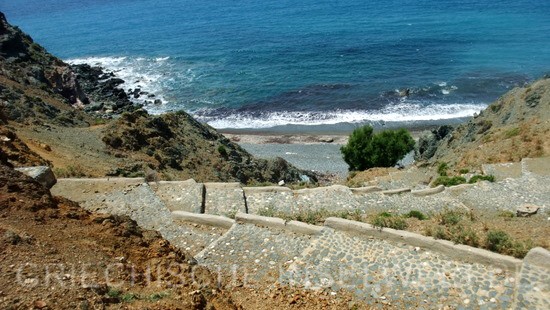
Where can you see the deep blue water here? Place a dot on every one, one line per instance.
(244, 63)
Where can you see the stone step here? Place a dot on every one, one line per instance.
(400, 275)
(533, 289)
(181, 195)
(250, 254)
(507, 194)
(332, 198)
(88, 191)
(538, 166)
(405, 202)
(224, 199)
(413, 177)
(268, 199)
(502, 171)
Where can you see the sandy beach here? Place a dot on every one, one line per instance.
(316, 152)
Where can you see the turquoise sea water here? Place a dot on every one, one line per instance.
(260, 64)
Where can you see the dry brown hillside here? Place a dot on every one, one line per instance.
(515, 126)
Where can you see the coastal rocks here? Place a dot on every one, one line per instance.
(42, 174)
(527, 210)
(103, 89)
(64, 82)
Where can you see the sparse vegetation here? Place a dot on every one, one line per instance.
(387, 220)
(70, 172)
(450, 217)
(464, 171)
(416, 214)
(384, 149)
(511, 133)
(442, 169)
(507, 214)
(476, 178)
(449, 181)
(222, 150)
(499, 241)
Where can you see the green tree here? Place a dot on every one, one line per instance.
(384, 149)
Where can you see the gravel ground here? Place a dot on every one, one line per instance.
(324, 158)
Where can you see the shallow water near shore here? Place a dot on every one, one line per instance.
(317, 64)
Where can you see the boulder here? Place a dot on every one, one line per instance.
(42, 174)
(527, 210)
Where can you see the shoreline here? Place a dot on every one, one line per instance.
(251, 136)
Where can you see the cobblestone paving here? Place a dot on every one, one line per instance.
(331, 198)
(398, 275)
(224, 199)
(197, 237)
(263, 202)
(180, 195)
(507, 194)
(534, 288)
(248, 254)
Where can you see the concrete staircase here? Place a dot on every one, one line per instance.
(384, 268)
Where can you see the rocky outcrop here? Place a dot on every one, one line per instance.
(41, 174)
(103, 90)
(178, 144)
(515, 126)
(14, 152)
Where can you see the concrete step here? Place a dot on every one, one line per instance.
(224, 199)
(181, 195)
(383, 274)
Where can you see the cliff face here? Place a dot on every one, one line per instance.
(78, 120)
(515, 126)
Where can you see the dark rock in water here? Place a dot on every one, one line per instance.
(105, 91)
(151, 96)
(158, 101)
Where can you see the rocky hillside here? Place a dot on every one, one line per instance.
(56, 255)
(515, 126)
(70, 116)
(178, 145)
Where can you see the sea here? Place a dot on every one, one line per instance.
(302, 66)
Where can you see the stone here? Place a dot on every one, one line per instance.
(527, 210)
(281, 183)
(42, 174)
(40, 304)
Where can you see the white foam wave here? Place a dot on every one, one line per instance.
(402, 112)
(147, 74)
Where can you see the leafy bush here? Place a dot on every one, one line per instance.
(416, 214)
(477, 178)
(464, 170)
(367, 150)
(449, 181)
